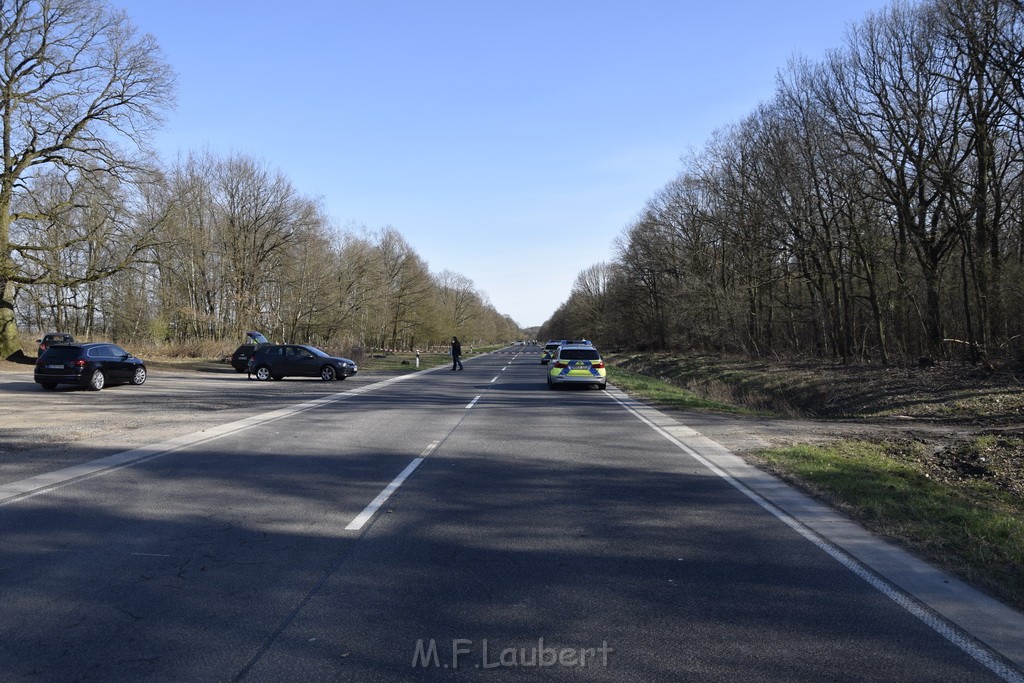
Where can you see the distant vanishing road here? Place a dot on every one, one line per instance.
(438, 526)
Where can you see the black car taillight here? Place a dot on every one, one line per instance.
(80, 363)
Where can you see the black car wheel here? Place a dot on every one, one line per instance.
(328, 374)
(49, 386)
(262, 373)
(97, 380)
(140, 376)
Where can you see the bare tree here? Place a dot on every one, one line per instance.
(872, 207)
(459, 300)
(191, 266)
(892, 112)
(403, 285)
(981, 42)
(66, 257)
(259, 214)
(76, 83)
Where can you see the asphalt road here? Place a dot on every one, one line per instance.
(528, 534)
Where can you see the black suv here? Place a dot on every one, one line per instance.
(89, 365)
(297, 360)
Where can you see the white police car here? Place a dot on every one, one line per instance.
(548, 352)
(576, 364)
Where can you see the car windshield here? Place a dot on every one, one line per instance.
(579, 354)
(62, 352)
(551, 346)
(316, 351)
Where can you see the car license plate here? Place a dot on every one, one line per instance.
(54, 367)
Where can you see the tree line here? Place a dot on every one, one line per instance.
(872, 209)
(219, 246)
(101, 239)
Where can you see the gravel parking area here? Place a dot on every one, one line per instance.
(41, 431)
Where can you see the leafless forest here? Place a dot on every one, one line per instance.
(872, 210)
(101, 239)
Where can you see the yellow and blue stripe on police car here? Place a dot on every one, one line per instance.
(583, 365)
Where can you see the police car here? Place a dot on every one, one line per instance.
(576, 364)
(549, 350)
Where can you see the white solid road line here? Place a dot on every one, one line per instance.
(944, 627)
(382, 497)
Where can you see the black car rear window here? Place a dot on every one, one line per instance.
(579, 354)
(62, 352)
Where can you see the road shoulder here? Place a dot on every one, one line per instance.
(981, 617)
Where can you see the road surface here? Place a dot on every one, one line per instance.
(437, 526)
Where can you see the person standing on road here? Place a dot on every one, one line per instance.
(456, 354)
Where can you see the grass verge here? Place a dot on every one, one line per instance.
(402, 363)
(961, 508)
(820, 389)
(665, 394)
(968, 526)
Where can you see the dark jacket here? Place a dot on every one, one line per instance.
(456, 348)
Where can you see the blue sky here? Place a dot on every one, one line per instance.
(509, 142)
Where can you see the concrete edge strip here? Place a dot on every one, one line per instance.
(942, 605)
(43, 483)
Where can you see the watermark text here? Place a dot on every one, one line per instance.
(484, 654)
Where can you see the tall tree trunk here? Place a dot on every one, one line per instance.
(10, 344)
(933, 311)
(877, 316)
